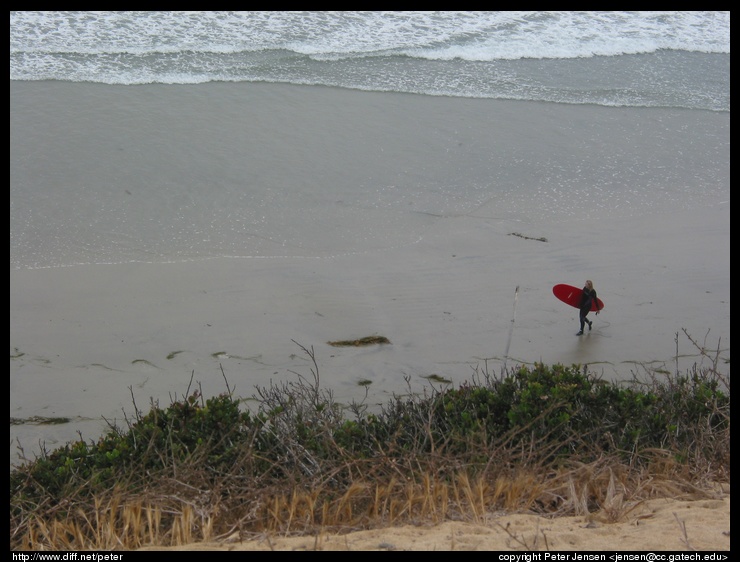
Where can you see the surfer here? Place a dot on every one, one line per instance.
(588, 298)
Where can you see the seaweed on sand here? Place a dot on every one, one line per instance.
(369, 340)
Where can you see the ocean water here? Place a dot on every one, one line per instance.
(76, 196)
(639, 59)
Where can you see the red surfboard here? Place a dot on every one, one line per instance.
(572, 295)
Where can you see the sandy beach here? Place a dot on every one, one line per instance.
(87, 341)
(452, 284)
(655, 525)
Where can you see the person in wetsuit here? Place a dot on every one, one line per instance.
(588, 298)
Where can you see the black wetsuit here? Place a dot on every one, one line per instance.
(587, 299)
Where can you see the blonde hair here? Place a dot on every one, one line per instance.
(589, 284)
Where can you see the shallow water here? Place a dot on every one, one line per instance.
(111, 174)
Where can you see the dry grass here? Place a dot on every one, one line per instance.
(593, 490)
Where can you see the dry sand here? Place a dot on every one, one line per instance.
(655, 525)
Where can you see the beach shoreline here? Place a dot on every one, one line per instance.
(437, 276)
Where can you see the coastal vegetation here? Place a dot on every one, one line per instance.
(291, 460)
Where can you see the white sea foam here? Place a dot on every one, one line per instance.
(495, 53)
(471, 35)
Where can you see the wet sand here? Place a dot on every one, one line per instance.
(88, 340)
